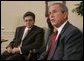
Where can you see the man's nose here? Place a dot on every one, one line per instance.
(28, 22)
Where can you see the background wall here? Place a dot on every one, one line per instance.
(13, 11)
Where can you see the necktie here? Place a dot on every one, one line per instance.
(52, 44)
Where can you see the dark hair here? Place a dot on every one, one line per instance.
(29, 14)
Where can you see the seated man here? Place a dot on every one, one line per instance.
(26, 38)
(66, 42)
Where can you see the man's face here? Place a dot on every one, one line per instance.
(29, 22)
(57, 17)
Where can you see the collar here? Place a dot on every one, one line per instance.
(61, 27)
(26, 28)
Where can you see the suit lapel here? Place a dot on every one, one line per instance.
(22, 31)
(48, 44)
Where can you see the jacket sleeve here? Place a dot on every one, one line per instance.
(73, 48)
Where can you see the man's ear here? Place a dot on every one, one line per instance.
(65, 15)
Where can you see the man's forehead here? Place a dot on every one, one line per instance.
(28, 17)
(54, 7)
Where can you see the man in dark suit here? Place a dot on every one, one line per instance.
(68, 42)
(26, 38)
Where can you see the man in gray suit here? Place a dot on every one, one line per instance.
(26, 38)
(68, 43)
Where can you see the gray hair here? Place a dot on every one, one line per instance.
(62, 6)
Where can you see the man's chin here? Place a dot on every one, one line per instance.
(29, 26)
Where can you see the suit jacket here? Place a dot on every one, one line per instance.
(33, 40)
(69, 45)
